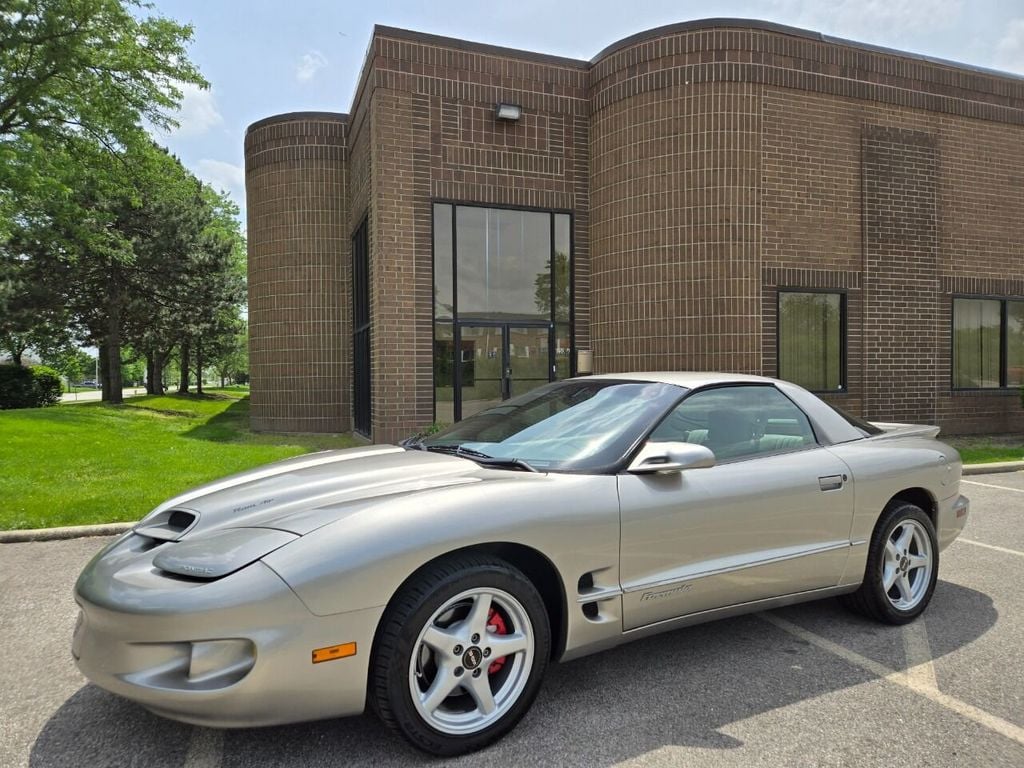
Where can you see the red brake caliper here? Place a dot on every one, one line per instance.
(496, 626)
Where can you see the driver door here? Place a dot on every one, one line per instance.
(771, 518)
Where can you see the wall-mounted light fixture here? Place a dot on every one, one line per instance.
(510, 112)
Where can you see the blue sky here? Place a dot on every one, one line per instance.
(263, 58)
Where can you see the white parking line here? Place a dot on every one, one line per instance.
(1016, 552)
(205, 749)
(920, 669)
(989, 485)
(919, 684)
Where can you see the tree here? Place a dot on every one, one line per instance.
(77, 80)
(89, 67)
(71, 362)
(542, 288)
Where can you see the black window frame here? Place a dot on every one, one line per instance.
(1003, 342)
(843, 293)
(456, 322)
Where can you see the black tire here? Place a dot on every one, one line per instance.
(408, 615)
(872, 599)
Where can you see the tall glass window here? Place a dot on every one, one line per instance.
(988, 343)
(1014, 343)
(811, 340)
(976, 343)
(502, 275)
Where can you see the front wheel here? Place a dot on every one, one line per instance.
(902, 567)
(461, 655)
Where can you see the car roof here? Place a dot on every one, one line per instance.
(688, 379)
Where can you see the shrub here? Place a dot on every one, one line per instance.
(47, 384)
(22, 387)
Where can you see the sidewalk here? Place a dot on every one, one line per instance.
(84, 397)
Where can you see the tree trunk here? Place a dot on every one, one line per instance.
(199, 366)
(113, 386)
(101, 360)
(151, 374)
(185, 352)
(156, 361)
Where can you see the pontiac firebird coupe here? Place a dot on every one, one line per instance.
(436, 580)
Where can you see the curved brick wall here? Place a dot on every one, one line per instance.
(299, 313)
(675, 277)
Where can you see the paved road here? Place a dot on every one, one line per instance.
(809, 685)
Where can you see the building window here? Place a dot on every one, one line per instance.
(361, 391)
(812, 339)
(502, 304)
(988, 343)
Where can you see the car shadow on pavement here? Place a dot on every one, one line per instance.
(680, 688)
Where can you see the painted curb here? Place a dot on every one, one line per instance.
(67, 532)
(991, 469)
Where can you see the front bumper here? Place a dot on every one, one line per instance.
(234, 652)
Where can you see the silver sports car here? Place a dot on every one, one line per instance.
(436, 580)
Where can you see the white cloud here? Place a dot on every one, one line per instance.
(198, 112)
(873, 21)
(224, 177)
(310, 63)
(1010, 48)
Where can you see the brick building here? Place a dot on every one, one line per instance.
(713, 195)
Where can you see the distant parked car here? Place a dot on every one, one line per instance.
(88, 383)
(436, 580)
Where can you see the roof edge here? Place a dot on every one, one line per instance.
(771, 26)
(474, 47)
(287, 117)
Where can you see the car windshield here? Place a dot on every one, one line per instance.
(575, 425)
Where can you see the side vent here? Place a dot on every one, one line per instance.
(598, 596)
(169, 525)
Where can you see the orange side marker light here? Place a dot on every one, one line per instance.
(332, 652)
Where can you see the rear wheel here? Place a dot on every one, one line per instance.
(461, 655)
(902, 567)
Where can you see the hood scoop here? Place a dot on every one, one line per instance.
(221, 552)
(169, 525)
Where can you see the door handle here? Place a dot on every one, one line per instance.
(831, 482)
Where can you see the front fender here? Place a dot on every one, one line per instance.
(360, 561)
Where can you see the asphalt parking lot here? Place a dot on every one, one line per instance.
(804, 686)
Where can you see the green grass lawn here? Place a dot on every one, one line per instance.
(95, 463)
(985, 449)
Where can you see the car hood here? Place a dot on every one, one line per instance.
(304, 493)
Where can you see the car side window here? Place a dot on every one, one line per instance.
(738, 421)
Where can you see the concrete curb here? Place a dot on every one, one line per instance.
(995, 466)
(114, 529)
(67, 532)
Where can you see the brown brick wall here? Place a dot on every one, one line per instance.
(706, 167)
(298, 306)
(900, 169)
(426, 107)
(674, 235)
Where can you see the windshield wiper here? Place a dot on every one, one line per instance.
(481, 458)
(494, 461)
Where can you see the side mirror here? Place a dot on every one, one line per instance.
(671, 457)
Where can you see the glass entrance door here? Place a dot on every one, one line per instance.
(528, 352)
(481, 359)
(498, 361)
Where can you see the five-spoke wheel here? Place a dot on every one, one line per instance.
(907, 564)
(902, 567)
(461, 654)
